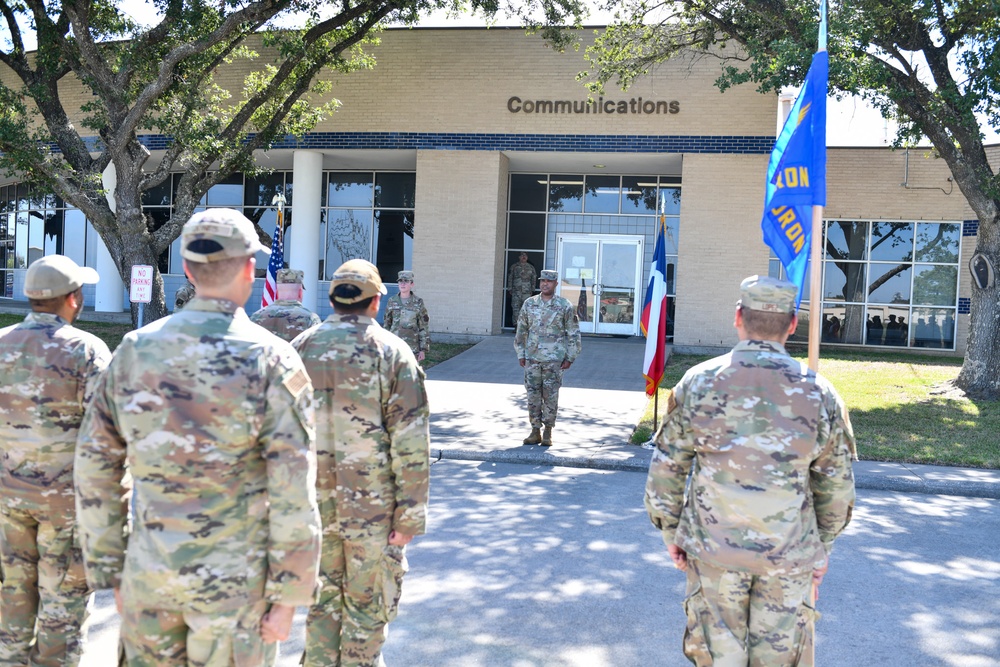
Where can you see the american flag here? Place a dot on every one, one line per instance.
(277, 256)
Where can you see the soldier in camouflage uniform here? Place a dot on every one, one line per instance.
(214, 418)
(184, 294)
(373, 445)
(286, 317)
(766, 447)
(48, 370)
(521, 281)
(406, 316)
(547, 342)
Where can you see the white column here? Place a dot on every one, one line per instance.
(303, 243)
(109, 297)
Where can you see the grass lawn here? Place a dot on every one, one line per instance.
(442, 352)
(900, 405)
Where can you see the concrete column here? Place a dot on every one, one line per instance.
(303, 244)
(109, 292)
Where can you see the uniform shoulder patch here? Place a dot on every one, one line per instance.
(296, 382)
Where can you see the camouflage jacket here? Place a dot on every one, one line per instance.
(183, 294)
(214, 418)
(48, 370)
(547, 330)
(285, 318)
(408, 320)
(522, 278)
(372, 427)
(768, 447)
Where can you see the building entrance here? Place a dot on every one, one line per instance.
(601, 275)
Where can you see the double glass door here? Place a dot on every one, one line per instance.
(601, 275)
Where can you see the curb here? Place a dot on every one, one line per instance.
(875, 482)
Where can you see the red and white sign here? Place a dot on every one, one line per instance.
(141, 289)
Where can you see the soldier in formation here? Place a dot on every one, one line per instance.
(184, 294)
(406, 316)
(765, 447)
(521, 280)
(286, 317)
(547, 342)
(48, 369)
(373, 446)
(213, 416)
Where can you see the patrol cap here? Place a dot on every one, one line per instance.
(219, 233)
(56, 275)
(289, 276)
(768, 294)
(360, 273)
(405, 275)
(548, 274)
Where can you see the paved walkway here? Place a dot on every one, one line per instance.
(479, 414)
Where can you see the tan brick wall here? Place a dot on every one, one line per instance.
(458, 245)
(720, 244)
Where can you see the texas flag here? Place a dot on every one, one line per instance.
(654, 313)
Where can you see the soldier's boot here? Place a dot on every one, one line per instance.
(534, 437)
(547, 437)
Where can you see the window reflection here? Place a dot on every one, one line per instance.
(348, 236)
(892, 242)
(639, 195)
(937, 242)
(887, 325)
(566, 194)
(935, 285)
(844, 281)
(890, 283)
(933, 327)
(350, 189)
(603, 194)
(847, 240)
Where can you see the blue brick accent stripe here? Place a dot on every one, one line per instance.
(964, 305)
(970, 228)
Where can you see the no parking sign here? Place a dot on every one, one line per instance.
(141, 289)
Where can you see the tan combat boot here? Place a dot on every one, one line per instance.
(547, 437)
(533, 438)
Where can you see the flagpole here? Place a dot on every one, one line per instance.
(815, 277)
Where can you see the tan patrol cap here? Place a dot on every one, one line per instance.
(56, 275)
(289, 276)
(768, 294)
(219, 233)
(360, 273)
(548, 274)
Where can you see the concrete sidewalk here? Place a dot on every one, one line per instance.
(478, 413)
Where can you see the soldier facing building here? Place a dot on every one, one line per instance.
(373, 447)
(765, 445)
(286, 317)
(48, 369)
(213, 416)
(547, 342)
(406, 316)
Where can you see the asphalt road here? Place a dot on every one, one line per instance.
(539, 566)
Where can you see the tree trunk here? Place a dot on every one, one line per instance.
(137, 248)
(980, 374)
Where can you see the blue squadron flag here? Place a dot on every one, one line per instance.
(796, 173)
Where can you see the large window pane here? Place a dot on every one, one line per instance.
(395, 190)
(938, 242)
(528, 192)
(639, 195)
(36, 237)
(887, 325)
(54, 232)
(566, 194)
(393, 243)
(260, 191)
(158, 195)
(602, 194)
(934, 285)
(669, 201)
(526, 231)
(350, 189)
(227, 193)
(933, 327)
(842, 323)
(889, 283)
(76, 235)
(348, 236)
(844, 281)
(847, 240)
(892, 242)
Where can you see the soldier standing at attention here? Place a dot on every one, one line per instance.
(48, 369)
(767, 445)
(521, 281)
(406, 316)
(183, 294)
(373, 448)
(214, 417)
(547, 342)
(286, 317)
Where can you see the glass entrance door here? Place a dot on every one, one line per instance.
(601, 275)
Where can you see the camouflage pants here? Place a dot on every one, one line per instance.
(738, 619)
(361, 584)
(155, 637)
(542, 380)
(43, 600)
(517, 300)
